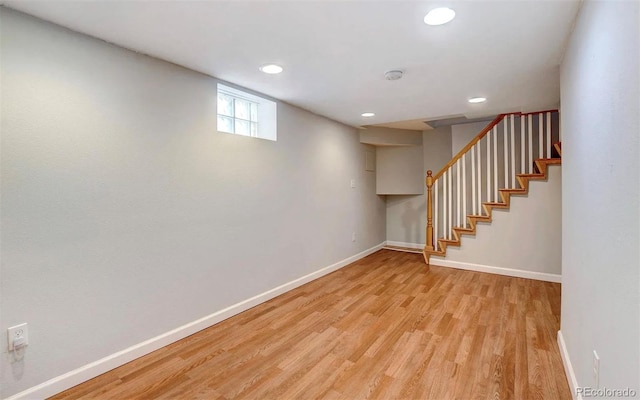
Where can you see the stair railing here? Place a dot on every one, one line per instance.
(488, 163)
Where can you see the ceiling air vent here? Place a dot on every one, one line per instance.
(393, 75)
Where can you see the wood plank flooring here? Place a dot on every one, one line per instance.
(384, 327)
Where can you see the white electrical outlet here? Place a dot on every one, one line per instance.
(353, 183)
(18, 335)
(596, 370)
(353, 237)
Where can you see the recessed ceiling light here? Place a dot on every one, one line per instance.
(439, 16)
(271, 69)
(368, 114)
(477, 100)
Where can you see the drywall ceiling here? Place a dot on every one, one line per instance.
(412, 125)
(336, 52)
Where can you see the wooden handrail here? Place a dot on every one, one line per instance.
(535, 112)
(469, 145)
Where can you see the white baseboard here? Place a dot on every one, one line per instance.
(416, 246)
(518, 273)
(568, 368)
(89, 371)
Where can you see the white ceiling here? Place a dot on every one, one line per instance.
(336, 52)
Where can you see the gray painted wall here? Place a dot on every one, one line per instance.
(390, 137)
(399, 170)
(600, 206)
(406, 215)
(462, 134)
(125, 214)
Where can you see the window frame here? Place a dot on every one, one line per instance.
(234, 114)
(265, 112)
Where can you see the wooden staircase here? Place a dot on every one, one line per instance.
(497, 164)
(541, 165)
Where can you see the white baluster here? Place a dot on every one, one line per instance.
(444, 205)
(513, 154)
(540, 137)
(530, 120)
(458, 192)
(548, 135)
(505, 151)
(450, 226)
(435, 216)
(464, 191)
(522, 141)
(489, 167)
(495, 162)
(479, 168)
(473, 179)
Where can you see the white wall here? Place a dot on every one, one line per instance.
(527, 237)
(399, 170)
(462, 134)
(406, 215)
(600, 221)
(125, 214)
(381, 136)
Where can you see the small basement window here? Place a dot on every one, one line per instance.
(246, 114)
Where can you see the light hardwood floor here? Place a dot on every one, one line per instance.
(381, 328)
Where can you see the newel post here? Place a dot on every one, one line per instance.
(429, 181)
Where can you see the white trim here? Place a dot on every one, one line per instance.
(416, 251)
(568, 368)
(416, 246)
(91, 370)
(518, 273)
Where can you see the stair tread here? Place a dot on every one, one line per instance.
(513, 190)
(549, 160)
(480, 217)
